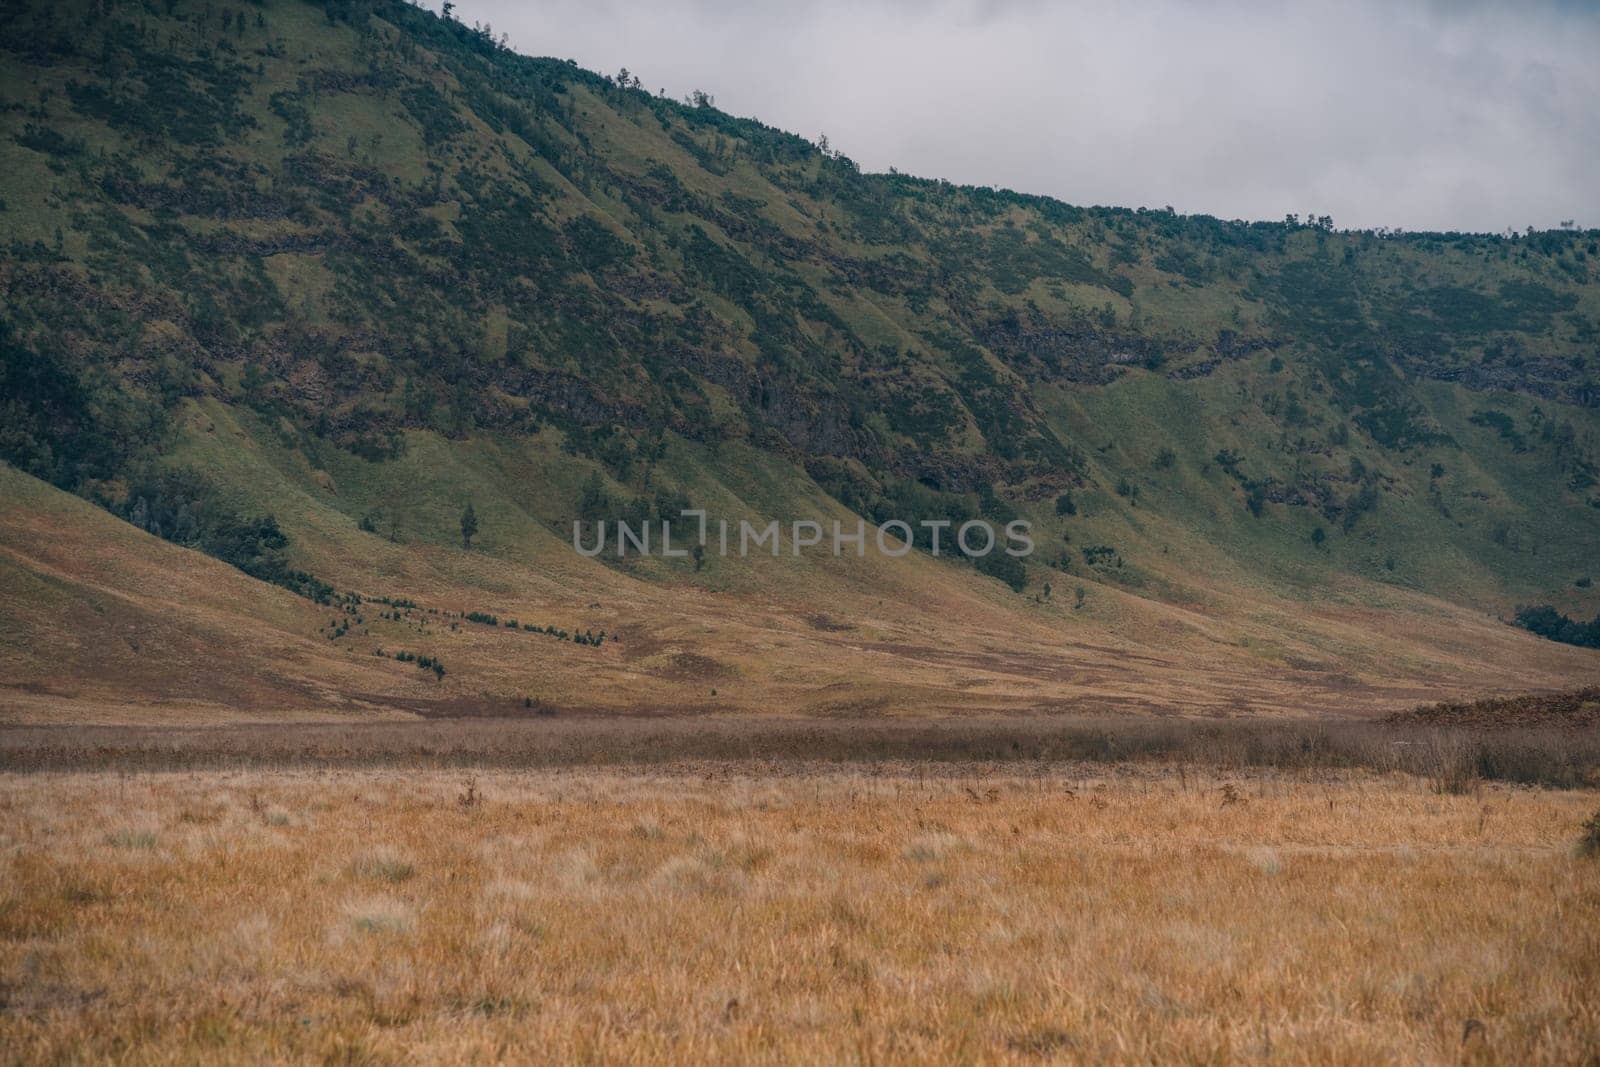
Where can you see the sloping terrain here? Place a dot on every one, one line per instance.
(106, 623)
(115, 624)
(353, 267)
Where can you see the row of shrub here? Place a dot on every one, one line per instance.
(1447, 760)
(427, 663)
(577, 637)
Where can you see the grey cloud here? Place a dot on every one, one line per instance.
(1425, 116)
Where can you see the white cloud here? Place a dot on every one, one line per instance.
(1470, 116)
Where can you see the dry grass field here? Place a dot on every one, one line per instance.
(719, 911)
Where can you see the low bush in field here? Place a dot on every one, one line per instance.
(506, 736)
(1589, 843)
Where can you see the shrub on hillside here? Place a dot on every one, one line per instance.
(1549, 623)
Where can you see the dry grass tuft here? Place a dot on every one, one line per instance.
(383, 865)
(378, 915)
(1451, 764)
(132, 839)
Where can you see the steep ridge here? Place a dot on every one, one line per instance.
(353, 266)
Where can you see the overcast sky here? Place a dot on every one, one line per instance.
(1423, 116)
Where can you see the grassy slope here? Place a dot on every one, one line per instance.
(1212, 609)
(121, 626)
(113, 623)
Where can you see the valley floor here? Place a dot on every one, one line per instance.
(717, 911)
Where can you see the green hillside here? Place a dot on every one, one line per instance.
(351, 265)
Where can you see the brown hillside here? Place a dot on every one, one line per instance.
(108, 624)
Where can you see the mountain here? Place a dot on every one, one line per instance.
(290, 285)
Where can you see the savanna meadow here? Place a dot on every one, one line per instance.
(500, 563)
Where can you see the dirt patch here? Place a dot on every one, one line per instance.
(692, 667)
(859, 708)
(40, 689)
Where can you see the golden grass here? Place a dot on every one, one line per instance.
(703, 914)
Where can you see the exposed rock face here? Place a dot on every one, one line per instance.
(1074, 352)
(1547, 379)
